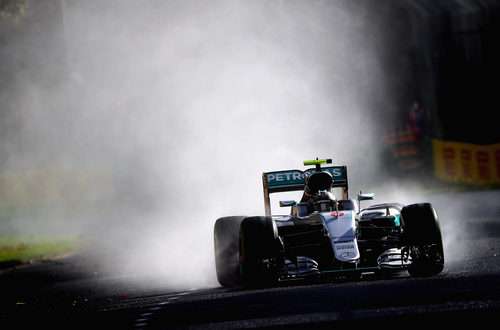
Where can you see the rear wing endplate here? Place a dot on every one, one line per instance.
(293, 180)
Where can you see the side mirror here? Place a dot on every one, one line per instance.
(293, 204)
(287, 203)
(366, 196)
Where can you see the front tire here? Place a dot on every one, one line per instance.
(259, 251)
(226, 249)
(422, 234)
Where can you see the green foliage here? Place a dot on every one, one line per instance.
(19, 249)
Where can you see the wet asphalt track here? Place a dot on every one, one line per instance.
(67, 293)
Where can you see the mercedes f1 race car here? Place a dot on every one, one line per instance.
(323, 236)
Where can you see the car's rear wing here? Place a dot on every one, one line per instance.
(293, 180)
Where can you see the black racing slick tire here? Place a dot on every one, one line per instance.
(259, 251)
(422, 234)
(226, 249)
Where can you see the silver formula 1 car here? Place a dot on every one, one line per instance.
(325, 237)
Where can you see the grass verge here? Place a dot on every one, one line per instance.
(18, 250)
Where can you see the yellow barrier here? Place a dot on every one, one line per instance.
(466, 162)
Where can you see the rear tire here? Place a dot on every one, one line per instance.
(226, 249)
(422, 234)
(259, 251)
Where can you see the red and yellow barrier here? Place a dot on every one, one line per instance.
(466, 162)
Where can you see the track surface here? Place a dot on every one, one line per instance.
(69, 293)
